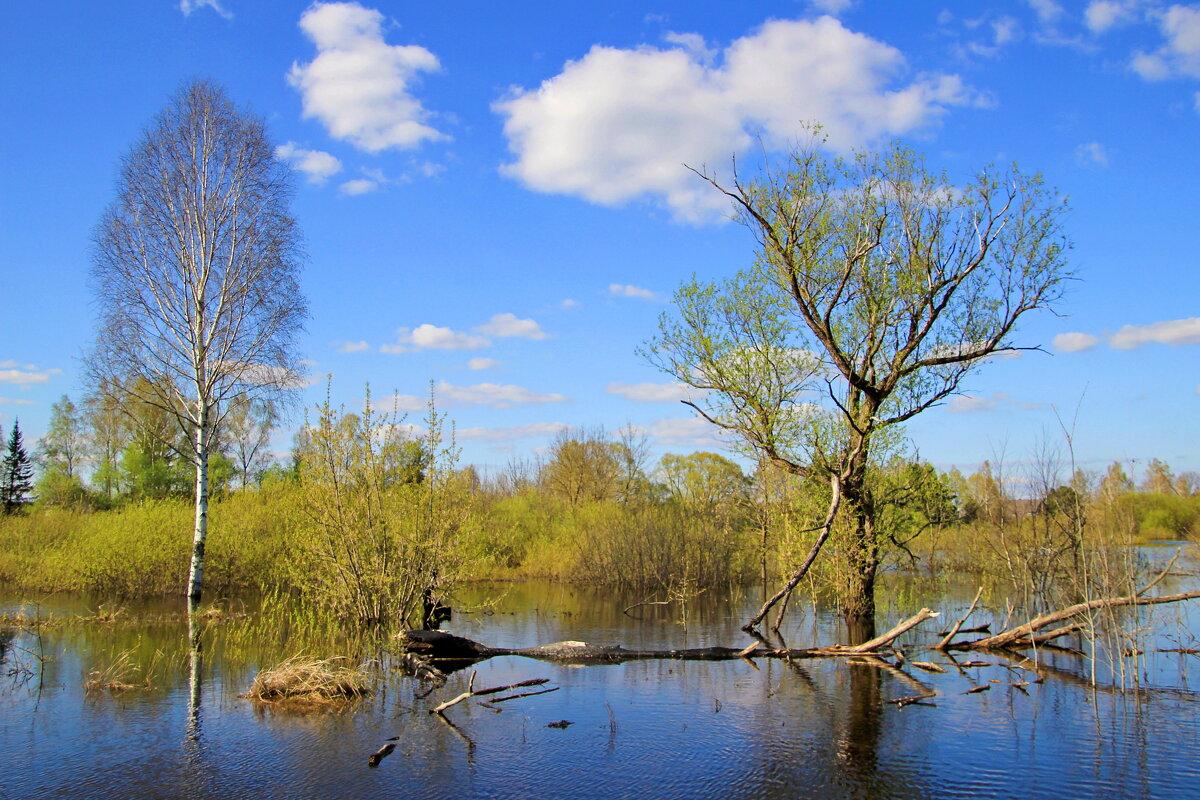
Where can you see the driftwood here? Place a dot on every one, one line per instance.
(472, 692)
(381, 754)
(437, 645)
(1026, 635)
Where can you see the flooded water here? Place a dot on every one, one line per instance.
(642, 729)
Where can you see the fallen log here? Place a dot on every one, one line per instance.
(1024, 635)
(437, 645)
(381, 754)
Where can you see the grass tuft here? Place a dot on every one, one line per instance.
(309, 680)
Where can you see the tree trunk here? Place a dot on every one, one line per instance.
(195, 578)
(862, 551)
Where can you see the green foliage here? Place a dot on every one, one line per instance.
(381, 519)
(705, 480)
(62, 447)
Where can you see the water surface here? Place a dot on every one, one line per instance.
(644, 729)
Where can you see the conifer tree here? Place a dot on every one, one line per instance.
(16, 482)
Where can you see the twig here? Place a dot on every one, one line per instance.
(524, 694)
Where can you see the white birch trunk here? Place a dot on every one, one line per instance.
(195, 578)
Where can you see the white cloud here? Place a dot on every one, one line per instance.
(512, 433)
(693, 43)
(569, 303)
(432, 337)
(628, 290)
(1048, 11)
(1103, 15)
(26, 377)
(188, 6)
(967, 404)
(359, 85)
(833, 7)
(1075, 342)
(619, 124)
(482, 363)
(353, 347)
(17, 401)
(509, 326)
(651, 392)
(1092, 153)
(1179, 55)
(1170, 332)
(688, 432)
(492, 395)
(316, 164)
(358, 186)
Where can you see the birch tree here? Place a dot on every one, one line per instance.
(877, 288)
(196, 276)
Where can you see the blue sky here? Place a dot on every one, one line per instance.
(492, 195)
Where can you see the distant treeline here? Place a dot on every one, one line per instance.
(368, 519)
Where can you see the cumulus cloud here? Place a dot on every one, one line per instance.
(628, 290)
(619, 124)
(1170, 332)
(353, 347)
(358, 186)
(1075, 342)
(1092, 153)
(569, 303)
(509, 326)
(359, 86)
(967, 404)
(317, 165)
(492, 395)
(651, 392)
(833, 7)
(188, 6)
(513, 433)
(1179, 56)
(477, 364)
(433, 337)
(1048, 11)
(27, 376)
(687, 432)
(1104, 15)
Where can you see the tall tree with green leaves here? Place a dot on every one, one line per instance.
(196, 272)
(16, 473)
(877, 287)
(63, 445)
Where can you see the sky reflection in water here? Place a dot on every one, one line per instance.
(819, 728)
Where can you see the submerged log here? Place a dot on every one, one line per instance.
(437, 645)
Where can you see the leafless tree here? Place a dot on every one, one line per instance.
(195, 274)
(247, 431)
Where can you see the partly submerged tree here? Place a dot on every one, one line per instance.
(196, 267)
(878, 286)
(16, 473)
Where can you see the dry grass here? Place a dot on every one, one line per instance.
(122, 674)
(309, 680)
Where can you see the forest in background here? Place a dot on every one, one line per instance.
(366, 516)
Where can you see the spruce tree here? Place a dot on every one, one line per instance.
(16, 482)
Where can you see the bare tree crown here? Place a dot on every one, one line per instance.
(196, 263)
